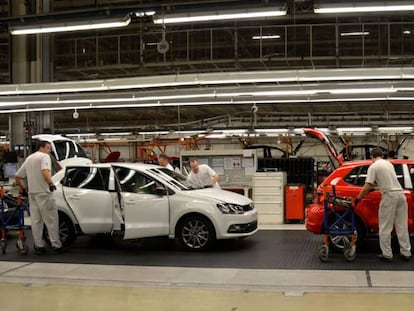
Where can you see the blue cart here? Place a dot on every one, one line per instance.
(339, 220)
(12, 210)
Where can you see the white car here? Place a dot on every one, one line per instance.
(64, 150)
(134, 200)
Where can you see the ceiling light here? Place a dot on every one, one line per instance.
(364, 90)
(70, 26)
(209, 79)
(216, 136)
(397, 129)
(265, 37)
(234, 132)
(278, 131)
(341, 130)
(80, 134)
(355, 33)
(116, 134)
(209, 16)
(154, 133)
(407, 32)
(364, 7)
(144, 13)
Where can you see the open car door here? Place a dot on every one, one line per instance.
(86, 192)
(144, 202)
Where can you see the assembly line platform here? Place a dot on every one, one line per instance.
(272, 269)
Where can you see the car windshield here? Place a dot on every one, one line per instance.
(173, 178)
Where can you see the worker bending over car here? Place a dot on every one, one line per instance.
(202, 175)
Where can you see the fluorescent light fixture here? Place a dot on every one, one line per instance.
(364, 90)
(70, 26)
(210, 16)
(407, 32)
(189, 133)
(234, 132)
(116, 134)
(270, 76)
(111, 139)
(265, 37)
(274, 131)
(218, 136)
(144, 13)
(80, 135)
(396, 129)
(364, 7)
(154, 133)
(355, 33)
(341, 130)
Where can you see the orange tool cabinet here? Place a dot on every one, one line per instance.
(294, 202)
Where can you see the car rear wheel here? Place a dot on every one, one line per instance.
(195, 233)
(67, 231)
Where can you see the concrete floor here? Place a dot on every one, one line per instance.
(75, 286)
(85, 297)
(62, 286)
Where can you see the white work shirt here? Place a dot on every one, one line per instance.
(32, 169)
(203, 177)
(382, 173)
(169, 166)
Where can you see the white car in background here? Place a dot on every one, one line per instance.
(64, 150)
(134, 200)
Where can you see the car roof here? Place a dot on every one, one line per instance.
(50, 137)
(365, 162)
(135, 165)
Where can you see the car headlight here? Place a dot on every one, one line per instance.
(229, 208)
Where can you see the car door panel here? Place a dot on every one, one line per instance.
(92, 208)
(86, 192)
(146, 215)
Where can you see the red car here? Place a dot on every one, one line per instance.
(349, 178)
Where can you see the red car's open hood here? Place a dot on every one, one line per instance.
(326, 141)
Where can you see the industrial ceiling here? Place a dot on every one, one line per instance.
(303, 42)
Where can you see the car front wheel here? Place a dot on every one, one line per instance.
(195, 233)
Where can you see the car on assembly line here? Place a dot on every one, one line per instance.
(135, 200)
(349, 178)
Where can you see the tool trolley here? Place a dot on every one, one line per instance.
(12, 210)
(339, 220)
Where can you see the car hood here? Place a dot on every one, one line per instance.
(326, 141)
(221, 195)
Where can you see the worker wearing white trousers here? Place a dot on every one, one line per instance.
(43, 211)
(393, 209)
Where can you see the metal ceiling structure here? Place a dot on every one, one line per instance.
(305, 44)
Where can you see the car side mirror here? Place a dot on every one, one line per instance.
(160, 191)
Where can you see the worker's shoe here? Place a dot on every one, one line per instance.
(57, 250)
(405, 258)
(40, 250)
(383, 258)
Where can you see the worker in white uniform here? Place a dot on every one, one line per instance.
(202, 175)
(163, 161)
(43, 211)
(393, 206)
